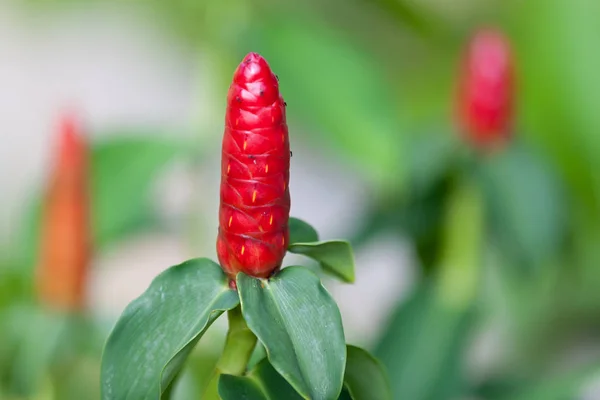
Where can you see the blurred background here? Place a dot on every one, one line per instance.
(478, 271)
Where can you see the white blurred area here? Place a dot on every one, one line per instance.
(117, 68)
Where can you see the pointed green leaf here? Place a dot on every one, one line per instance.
(365, 377)
(335, 256)
(156, 332)
(301, 232)
(300, 326)
(240, 388)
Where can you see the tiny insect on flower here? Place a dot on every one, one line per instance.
(486, 89)
(65, 234)
(255, 198)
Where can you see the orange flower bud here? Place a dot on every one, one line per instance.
(65, 233)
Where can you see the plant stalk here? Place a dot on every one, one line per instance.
(239, 345)
(460, 268)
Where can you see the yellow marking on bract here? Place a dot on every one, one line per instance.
(243, 249)
(230, 219)
(266, 168)
(237, 121)
(254, 196)
(271, 220)
(228, 168)
(283, 240)
(283, 185)
(245, 144)
(282, 138)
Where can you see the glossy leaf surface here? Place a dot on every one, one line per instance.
(156, 332)
(300, 326)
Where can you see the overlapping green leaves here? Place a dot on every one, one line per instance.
(301, 328)
(364, 379)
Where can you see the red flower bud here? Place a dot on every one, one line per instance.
(485, 96)
(255, 197)
(65, 238)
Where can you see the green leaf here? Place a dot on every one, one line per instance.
(257, 356)
(527, 205)
(300, 326)
(423, 347)
(272, 382)
(301, 231)
(156, 332)
(239, 388)
(122, 171)
(193, 380)
(365, 377)
(335, 256)
(345, 395)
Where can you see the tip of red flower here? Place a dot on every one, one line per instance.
(252, 57)
(489, 48)
(71, 144)
(486, 89)
(253, 68)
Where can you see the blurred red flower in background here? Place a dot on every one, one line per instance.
(65, 231)
(486, 89)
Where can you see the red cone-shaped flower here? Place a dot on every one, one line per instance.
(485, 96)
(64, 252)
(255, 197)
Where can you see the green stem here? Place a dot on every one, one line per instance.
(461, 259)
(239, 345)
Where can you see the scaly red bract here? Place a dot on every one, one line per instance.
(255, 198)
(486, 89)
(65, 233)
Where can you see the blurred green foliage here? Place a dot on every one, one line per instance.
(371, 84)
